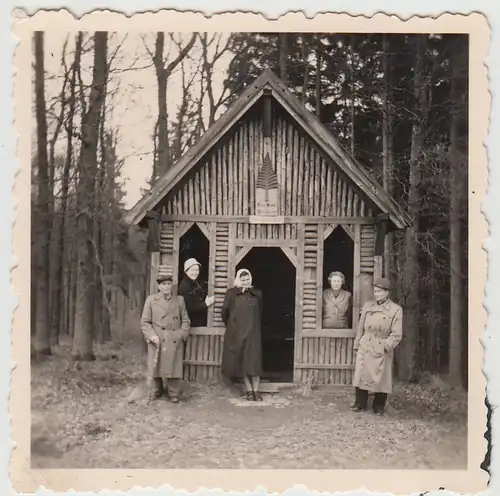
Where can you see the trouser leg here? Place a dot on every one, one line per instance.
(247, 383)
(361, 399)
(174, 386)
(379, 402)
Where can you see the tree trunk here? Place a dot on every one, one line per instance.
(42, 320)
(161, 76)
(455, 188)
(388, 154)
(82, 339)
(411, 269)
(59, 298)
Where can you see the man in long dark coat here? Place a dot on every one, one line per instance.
(242, 352)
(165, 325)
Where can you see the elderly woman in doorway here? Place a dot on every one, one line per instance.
(380, 330)
(197, 301)
(242, 352)
(336, 303)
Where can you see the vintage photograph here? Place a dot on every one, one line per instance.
(249, 250)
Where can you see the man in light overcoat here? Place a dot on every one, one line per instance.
(380, 330)
(165, 324)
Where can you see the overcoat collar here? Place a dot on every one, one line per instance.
(383, 307)
(163, 302)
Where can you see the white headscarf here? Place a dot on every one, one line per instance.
(237, 280)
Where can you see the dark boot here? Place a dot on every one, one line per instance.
(174, 386)
(361, 401)
(379, 401)
(257, 396)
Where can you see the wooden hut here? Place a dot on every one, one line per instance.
(269, 188)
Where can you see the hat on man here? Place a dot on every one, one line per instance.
(382, 283)
(190, 262)
(163, 278)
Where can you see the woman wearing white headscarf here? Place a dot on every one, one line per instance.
(242, 352)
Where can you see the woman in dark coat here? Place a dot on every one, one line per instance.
(195, 297)
(242, 352)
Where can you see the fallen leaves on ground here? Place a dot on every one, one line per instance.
(93, 415)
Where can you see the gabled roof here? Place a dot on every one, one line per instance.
(312, 126)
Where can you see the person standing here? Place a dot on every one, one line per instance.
(379, 331)
(195, 296)
(242, 350)
(336, 303)
(165, 325)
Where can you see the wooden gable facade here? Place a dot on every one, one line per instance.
(268, 177)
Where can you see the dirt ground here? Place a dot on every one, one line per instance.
(94, 415)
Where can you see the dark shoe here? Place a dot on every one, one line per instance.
(257, 396)
(378, 412)
(249, 396)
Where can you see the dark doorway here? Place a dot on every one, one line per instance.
(339, 256)
(274, 274)
(194, 244)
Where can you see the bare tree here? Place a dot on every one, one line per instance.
(163, 72)
(411, 250)
(208, 69)
(456, 179)
(387, 143)
(83, 335)
(42, 315)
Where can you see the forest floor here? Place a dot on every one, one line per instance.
(94, 415)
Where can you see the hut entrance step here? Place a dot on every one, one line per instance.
(274, 274)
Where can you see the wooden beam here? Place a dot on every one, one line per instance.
(201, 362)
(356, 297)
(327, 366)
(153, 235)
(287, 219)
(267, 117)
(153, 273)
(329, 333)
(381, 231)
(231, 263)
(290, 255)
(204, 229)
(266, 243)
(349, 231)
(299, 303)
(377, 267)
(319, 274)
(240, 255)
(184, 228)
(207, 331)
(329, 230)
(211, 271)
